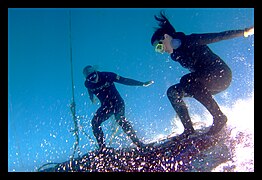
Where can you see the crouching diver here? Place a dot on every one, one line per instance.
(101, 84)
(209, 74)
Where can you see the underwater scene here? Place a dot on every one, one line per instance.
(54, 113)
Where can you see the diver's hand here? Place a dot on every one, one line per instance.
(249, 31)
(148, 83)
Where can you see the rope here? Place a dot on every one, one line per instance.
(73, 105)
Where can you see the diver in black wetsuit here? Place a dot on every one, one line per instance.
(102, 85)
(209, 74)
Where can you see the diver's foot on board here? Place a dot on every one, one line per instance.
(104, 150)
(141, 145)
(101, 149)
(218, 124)
(184, 135)
(145, 147)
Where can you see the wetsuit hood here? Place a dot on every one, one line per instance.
(88, 70)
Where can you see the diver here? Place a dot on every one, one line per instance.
(101, 84)
(209, 74)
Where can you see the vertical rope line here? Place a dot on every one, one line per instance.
(73, 109)
(71, 59)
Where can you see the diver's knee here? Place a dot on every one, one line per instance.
(170, 91)
(174, 92)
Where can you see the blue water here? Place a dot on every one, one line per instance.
(117, 40)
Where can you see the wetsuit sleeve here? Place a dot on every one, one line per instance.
(127, 81)
(208, 38)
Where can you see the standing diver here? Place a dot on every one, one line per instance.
(102, 85)
(209, 74)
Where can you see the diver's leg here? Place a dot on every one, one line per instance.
(126, 126)
(128, 129)
(196, 89)
(219, 119)
(100, 116)
(175, 95)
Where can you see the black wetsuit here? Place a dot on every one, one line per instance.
(111, 104)
(209, 75)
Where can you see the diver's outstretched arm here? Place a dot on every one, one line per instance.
(208, 38)
(132, 82)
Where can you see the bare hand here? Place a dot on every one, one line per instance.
(249, 31)
(148, 83)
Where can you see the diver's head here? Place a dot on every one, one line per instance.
(88, 70)
(90, 73)
(165, 29)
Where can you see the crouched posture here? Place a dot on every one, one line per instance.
(209, 74)
(101, 84)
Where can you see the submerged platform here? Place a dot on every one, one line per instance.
(167, 155)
